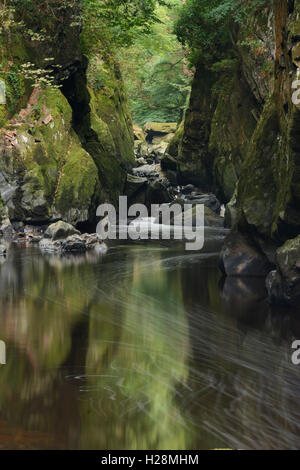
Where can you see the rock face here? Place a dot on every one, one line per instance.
(148, 185)
(151, 143)
(240, 140)
(62, 151)
(212, 143)
(283, 284)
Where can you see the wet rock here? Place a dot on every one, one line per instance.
(74, 243)
(158, 129)
(283, 285)
(208, 200)
(168, 163)
(34, 202)
(34, 237)
(18, 226)
(288, 260)
(139, 134)
(6, 228)
(93, 240)
(188, 189)
(211, 219)
(158, 150)
(231, 212)
(245, 298)
(274, 287)
(134, 184)
(3, 250)
(158, 192)
(172, 177)
(147, 171)
(60, 230)
(46, 244)
(141, 161)
(239, 257)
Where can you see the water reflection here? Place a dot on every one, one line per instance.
(146, 347)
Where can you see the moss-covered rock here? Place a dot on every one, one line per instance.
(45, 171)
(159, 129)
(173, 148)
(284, 284)
(63, 150)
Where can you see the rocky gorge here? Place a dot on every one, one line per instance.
(66, 149)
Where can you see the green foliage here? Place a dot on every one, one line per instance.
(156, 73)
(119, 22)
(163, 93)
(204, 26)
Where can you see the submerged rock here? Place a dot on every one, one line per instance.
(239, 257)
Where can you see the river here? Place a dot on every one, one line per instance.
(146, 347)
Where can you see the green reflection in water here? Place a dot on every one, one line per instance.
(136, 358)
(95, 350)
(144, 348)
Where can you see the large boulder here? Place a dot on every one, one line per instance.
(138, 133)
(156, 130)
(134, 184)
(60, 230)
(168, 163)
(240, 257)
(283, 284)
(209, 200)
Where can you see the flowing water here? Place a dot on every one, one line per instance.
(143, 348)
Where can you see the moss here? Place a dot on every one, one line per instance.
(109, 103)
(264, 186)
(293, 244)
(77, 187)
(161, 127)
(231, 129)
(173, 148)
(51, 171)
(53, 167)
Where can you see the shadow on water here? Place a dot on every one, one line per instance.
(145, 348)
